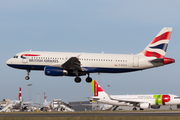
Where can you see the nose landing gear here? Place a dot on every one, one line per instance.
(27, 77)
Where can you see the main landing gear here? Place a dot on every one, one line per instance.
(134, 108)
(88, 79)
(170, 107)
(78, 79)
(27, 77)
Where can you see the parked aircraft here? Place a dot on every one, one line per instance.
(79, 64)
(16, 104)
(49, 105)
(141, 101)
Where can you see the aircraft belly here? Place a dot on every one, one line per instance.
(28, 67)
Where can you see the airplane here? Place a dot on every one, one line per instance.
(79, 64)
(142, 101)
(49, 105)
(16, 104)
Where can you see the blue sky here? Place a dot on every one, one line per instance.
(92, 26)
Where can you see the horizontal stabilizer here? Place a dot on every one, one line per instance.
(162, 61)
(94, 98)
(159, 60)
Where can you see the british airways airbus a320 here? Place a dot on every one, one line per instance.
(78, 64)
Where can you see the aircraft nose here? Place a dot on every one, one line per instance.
(8, 62)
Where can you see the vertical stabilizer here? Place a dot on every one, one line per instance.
(98, 91)
(44, 97)
(20, 97)
(158, 46)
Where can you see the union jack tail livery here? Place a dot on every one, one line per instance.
(20, 97)
(157, 47)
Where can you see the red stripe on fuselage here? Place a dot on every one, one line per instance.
(30, 55)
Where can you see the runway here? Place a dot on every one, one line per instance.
(76, 114)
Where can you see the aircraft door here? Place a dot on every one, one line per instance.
(136, 61)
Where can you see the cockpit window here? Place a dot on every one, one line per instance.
(176, 97)
(15, 56)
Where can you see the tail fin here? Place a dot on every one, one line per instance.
(98, 91)
(20, 97)
(44, 97)
(158, 46)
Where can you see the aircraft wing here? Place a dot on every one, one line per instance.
(72, 63)
(128, 101)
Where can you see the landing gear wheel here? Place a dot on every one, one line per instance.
(141, 109)
(27, 77)
(77, 79)
(88, 79)
(134, 108)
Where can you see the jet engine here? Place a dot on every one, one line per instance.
(144, 105)
(54, 71)
(155, 106)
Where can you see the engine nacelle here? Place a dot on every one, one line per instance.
(144, 105)
(54, 71)
(90, 69)
(155, 106)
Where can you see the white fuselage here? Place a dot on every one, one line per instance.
(130, 100)
(90, 62)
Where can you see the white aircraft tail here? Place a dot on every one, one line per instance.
(158, 46)
(98, 91)
(44, 97)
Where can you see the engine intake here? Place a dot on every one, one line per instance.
(54, 71)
